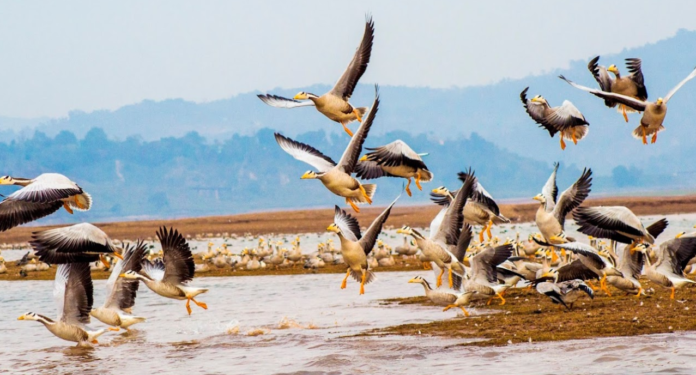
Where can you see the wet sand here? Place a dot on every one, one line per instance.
(311, 221)
(528, 315)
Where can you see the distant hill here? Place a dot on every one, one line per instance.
(494, 112)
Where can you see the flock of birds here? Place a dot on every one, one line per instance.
(558, 266)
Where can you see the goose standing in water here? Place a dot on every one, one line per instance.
(394, 160)
(120, 292)
(653, 112)
(337, 177)
(72, 291)
(566, 119)
(77, 243)
(169, 277)
(354, 246)
(445, 230)
(334, 104)
(40, 197)
(552, 212)
(632, 85)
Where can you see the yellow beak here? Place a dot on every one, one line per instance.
(306, 176)
(122, 275)
(536, 198)
(413, 281)
(363, 158)
(21, 318)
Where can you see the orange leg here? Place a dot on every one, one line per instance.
(200, 304)
(113, 329)
(345, 279)
(449, 277)
(362, 282)
(562, 142)
(364, 193)
(623, 110)
(502, 300)
(575, 139)
(104, 262)
(488, 229)
(67, 208)
(640, 290)
(350, 133)
(645, 139)
(654, 138)
(418, 178)
(426, 266)
(481, 235)
(671, 296)
(357, 114)
(439, 278)
(188, 306)
(408, 189)
(355, 208)
(603, 285)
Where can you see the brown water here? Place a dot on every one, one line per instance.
(294, 325)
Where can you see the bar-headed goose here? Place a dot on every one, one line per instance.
(354, 246)
(396, 159)
(72, 291)
(337, 177)
(616, 223)
(120, 292)
(40, 197)
(566, 120)
(76, 243)
(169, 276)
(653, 112)
(566, 292)
(334, 104)
(672, 258)
(632, 85)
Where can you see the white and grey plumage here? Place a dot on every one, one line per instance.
(566, 119)
(40, 197)
(76, 243)
(672, 257)
(480, 208)
(565, 293)
(337, 176)
(591, 259)
(632, 85)
(120, 292)
(445, 231)
(631, 266)
(444, 297)
(483, 280)
(72, 292)
(395, 159)
(354, 246)
(170, 276)
(334, 104)
(653, 112)
(550, 217)
(616, 223)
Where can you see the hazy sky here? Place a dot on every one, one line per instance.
(87, 55)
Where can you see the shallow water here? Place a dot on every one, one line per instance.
(295, 325)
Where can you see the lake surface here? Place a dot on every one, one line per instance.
(296, 325)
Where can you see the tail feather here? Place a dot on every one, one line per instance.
(85, 201)
(369, 189)
(638, 132)
(369, 277)
(580, 132)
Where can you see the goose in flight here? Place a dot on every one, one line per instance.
(337, 177)
(653, 112)
(617, 223)
(632, 85)
(445, 231)
(169, 276)
(334, 104)
(566, 119)
(396, 159)
(672, 258)
(40, 197)
(72, 291)
(550, 217)
(566, 292)
(480, 209)
(120, 292)
(76, 243)
(354, 246)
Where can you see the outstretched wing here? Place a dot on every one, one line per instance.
(352, 152)
(280, 102)
(304, 152)
(76, 243)
(395, 154)
(14, 213)
(73, 291)
(573, 197)
(178, 261)
(120, 291)
(370, 237)
(537, 113)
(679, 85)
(347, 224)
(634, 67)
(636, 104)
(346, 84)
